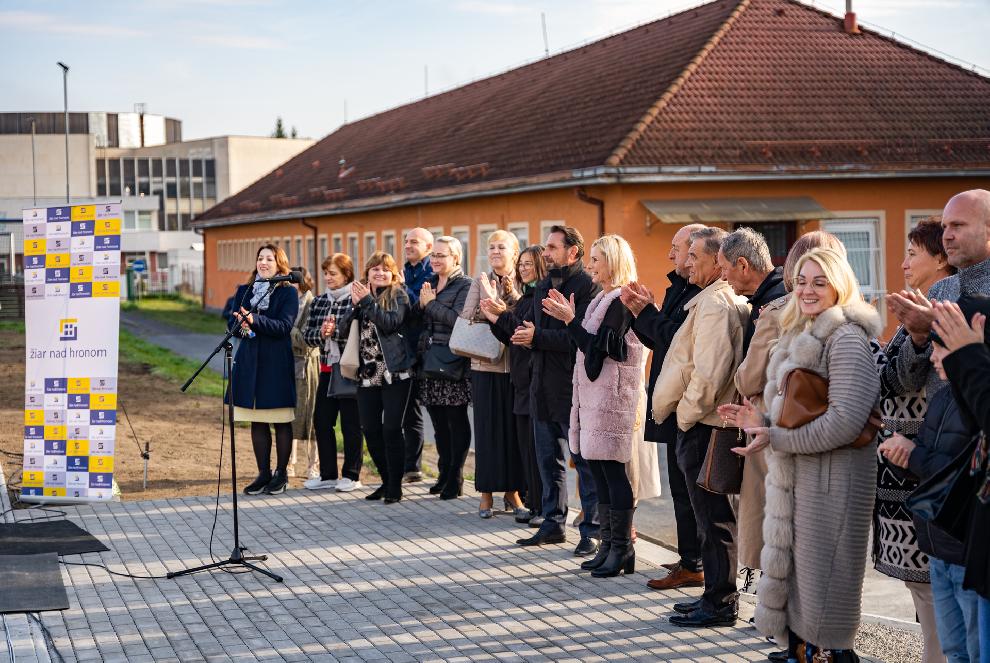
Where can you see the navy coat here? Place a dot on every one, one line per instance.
(264, 373)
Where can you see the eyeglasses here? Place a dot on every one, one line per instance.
(439, 256)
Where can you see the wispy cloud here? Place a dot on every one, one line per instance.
(47, 23)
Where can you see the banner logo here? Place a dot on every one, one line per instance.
(67, 329)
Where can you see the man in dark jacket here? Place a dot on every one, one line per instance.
(417, 271)
(550, 390)
(656, 327)
(746, 265)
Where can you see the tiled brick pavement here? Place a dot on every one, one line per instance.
(420, 580)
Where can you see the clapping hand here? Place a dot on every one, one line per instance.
(635, 297)
(328, 326)
(489, 287)
(492, 308)
(246, 318)
(557, 306)
(950, 325)
(358, 292)
(913, 311)
(426, 294)
(524, 334)
(750, 419)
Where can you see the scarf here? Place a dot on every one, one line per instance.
(330, 346)
(258, 291)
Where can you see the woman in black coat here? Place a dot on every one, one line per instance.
(382, 308)
(446, 395)
(263, 382)
(529, 270)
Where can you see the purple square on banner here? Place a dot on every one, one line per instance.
(107, 243)
(102, 417)
(60, 213)
(80, 290)
(101, 480)
(54, 385)
(82, 228)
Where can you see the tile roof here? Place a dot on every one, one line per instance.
(737, 85)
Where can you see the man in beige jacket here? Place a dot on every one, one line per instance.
(696, 377)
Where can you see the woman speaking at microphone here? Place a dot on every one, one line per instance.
(263, 384)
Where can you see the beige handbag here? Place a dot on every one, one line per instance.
(475, 340)
(350, 358)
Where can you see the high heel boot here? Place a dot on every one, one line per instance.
(621, 555)
(605, 519)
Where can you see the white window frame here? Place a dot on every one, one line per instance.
(546, 225)
(356, 258)
(514, 229)
(338, 243)
(874, 222)
(395, 246)
(466, 258)
(912, 216)
(481, 233)
(373, 236)
(287, 245)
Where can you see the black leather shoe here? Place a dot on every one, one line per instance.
(258, 485)
(544, 537)
(436, 488)
(376, 495)
(687, 607)
(392, 499)
(586, 546)
(280, 479)
(704, 618)
(777, 656)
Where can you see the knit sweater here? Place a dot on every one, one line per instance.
(819, 491)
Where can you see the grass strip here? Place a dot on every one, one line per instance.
(168, 365)
(181, 312)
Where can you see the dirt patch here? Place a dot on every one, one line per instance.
(183, 433)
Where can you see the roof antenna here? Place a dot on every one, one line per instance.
(426, 80)
(345, 111)
(546, 38)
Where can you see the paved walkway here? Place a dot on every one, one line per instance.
(421, 580)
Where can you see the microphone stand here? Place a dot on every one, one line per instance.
(237, 557)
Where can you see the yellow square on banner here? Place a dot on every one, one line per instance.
(57, 260)
(106, 288)
(54, 492)
(101, 464)
(107, 227)
(33, 479)
(55, 432)
(34, 417)
(77, 448)
(34, 246)
(78, 385)
(103, 402)
(83, 212)
(81, 274)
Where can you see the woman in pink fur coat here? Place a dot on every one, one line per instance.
(608, 379)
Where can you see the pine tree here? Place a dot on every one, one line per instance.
(279, 128)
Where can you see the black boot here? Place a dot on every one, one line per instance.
(621, 556)
(604, 517)
(277, 484)
(259, 484)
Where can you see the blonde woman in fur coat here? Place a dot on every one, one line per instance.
(608, 383)
(820, 492)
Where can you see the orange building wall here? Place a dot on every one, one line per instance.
(892, 200)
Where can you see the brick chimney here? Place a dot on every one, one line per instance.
(849, 24)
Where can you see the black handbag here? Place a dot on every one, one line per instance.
(722, 470)
(946, 498)
(341, 387)
(442, 364)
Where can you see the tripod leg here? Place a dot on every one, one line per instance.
(276, 578)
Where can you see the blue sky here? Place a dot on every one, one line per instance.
(232, 66)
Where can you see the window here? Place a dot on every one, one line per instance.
(130, 185)
(101, 177)
(545, 227)
(162, 260)
(481, 259)
(324, 248)
(310, 255)
(143, 177)
(521, 231)
(211, 178)
(388, 243)
(338, 243)
(299, 253)
(172, 221)
(287, 247)
(114, 176)
(862, 240)
(183, 178)
(144, 220)
(353, 250)
(370, 245)
(464, 236)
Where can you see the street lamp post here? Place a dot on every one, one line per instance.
(65, 100)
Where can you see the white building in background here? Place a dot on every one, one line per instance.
(139, 159)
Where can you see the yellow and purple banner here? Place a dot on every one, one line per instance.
(72, 318)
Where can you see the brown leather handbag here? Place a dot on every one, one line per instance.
(806, 398)
(722, 470)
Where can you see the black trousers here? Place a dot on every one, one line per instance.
(453, 432)
(688, 544)
(612, 484)
(412, 431)
(716, 520)
(324, 417)
(531, 469)
(382, 409)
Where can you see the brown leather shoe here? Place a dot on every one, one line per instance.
(678, 577)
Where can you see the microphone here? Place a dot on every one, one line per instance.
(291, 277)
